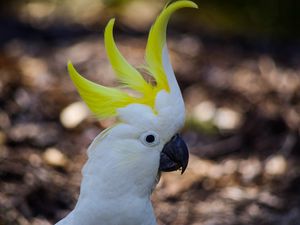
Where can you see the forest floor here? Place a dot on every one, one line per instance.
(243, 116)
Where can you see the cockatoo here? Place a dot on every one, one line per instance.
(125, 161)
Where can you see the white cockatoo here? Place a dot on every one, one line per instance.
(124, 161)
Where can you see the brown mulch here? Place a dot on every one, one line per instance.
(245, 174)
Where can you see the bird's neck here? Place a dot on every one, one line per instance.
(114, 183)
(116, 180)
(106, 193)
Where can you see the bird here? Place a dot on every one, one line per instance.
(125, 160)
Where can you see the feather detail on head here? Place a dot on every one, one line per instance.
(105, 101)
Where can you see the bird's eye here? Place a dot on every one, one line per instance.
(150, 138)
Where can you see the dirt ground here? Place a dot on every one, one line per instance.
(243, 121)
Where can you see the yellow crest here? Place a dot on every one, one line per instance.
(104, 101)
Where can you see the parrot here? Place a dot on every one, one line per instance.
(125, 160)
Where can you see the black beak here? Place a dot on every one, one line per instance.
(175, 155)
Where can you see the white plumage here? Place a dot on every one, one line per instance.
(125, 160)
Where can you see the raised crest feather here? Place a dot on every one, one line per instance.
(126, 73)
(157, 41)
(104, 101)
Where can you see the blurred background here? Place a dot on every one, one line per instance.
(238, 64)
